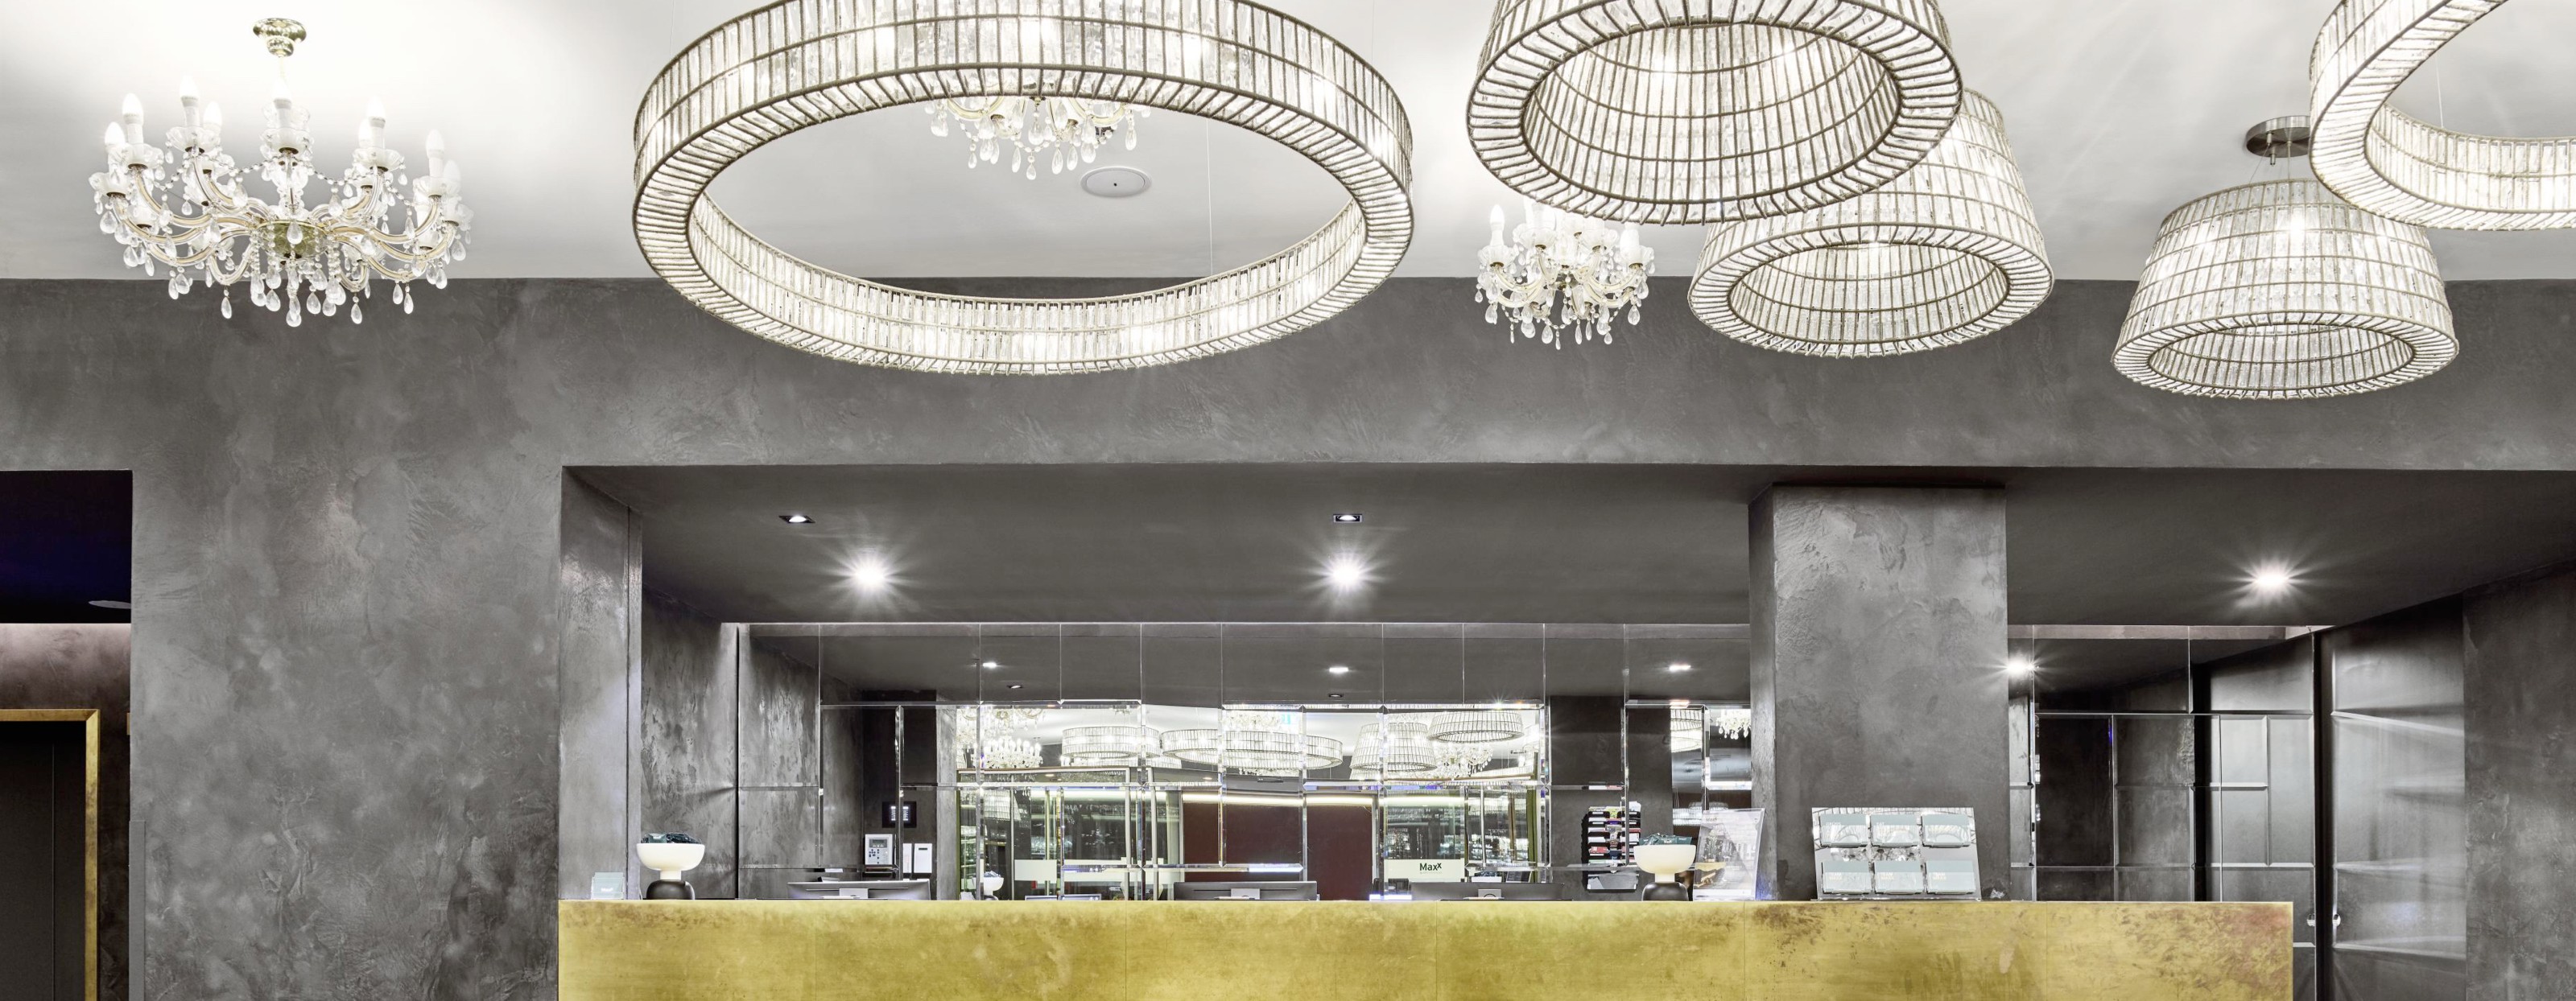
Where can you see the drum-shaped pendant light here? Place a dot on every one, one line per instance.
(2280, 290)
(1665, 111)
(1947, 252)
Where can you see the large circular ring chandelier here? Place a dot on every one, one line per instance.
(1265, 751)
(2280, 290)
(800, 63)
(2396, 165)
(1655, 111)
(1947, 252)
(1109, 745)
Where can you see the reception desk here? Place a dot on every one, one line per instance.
(1456, 951)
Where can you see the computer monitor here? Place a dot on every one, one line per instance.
(1487, 891)
(1243, 891)
(862, 889)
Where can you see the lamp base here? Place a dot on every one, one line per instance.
(1666, 891)
(669, 889)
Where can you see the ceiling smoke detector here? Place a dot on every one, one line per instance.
(1116, 182)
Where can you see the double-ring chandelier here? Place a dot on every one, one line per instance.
(2280, 290)
(799, 63)
(2398, 166)
(1560, 275)
(1115, 745)
(1261, 742)
(1654, 111)
(186, 209)
(1946, 252)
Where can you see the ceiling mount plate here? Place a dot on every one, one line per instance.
(2280, 138)
(1116, 182)
(279, 34)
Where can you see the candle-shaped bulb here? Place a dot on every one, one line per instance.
(1628, 238)
(131, 116)
(1497, 220)
(191, 110)
(371, 129)
(282, 97)
(437, 145)
(115, 136)
(1529, 211)
(214, 117)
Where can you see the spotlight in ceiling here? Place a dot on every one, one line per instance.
(1338, 669)
(991, 665)
(1334, 695)
(1346, 571)
(872, 574)
(113, 603)
(1678, 667)
(2272, 579)
(2020, 664)
(1017, 687)
(1349, 518)
(795, 519)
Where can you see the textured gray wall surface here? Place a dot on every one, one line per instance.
(2401, 881)
(2521, 721)
(781, 770)
(85, 667)
(347, 576)
(599, 595)
(685, 757)
(1878, 652)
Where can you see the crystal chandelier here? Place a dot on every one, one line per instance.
(798, 63)
(1067, 130)
(186, 209)
(2398, 166)
(2280, 290)
(1731, 722)
(1661, 112)
(1477, 726)
(1110, 745)
(998, 741)
(1947, 252)
(1562, 270)
(1258, 741)
(1393, 748)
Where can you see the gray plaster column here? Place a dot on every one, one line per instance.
(1878, 652)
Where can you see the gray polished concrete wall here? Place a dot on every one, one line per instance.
(2400, 836)
(347, 576)
(86, 666)
(599, 630)
(2520, 693)
(685, 760)
(1878, 663)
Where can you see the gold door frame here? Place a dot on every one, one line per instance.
(89, 829)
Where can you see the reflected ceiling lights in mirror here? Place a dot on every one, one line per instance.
(1393, 748)
(1116, 745)
(1652, 111)
(800, 63)
(2398, 166)
(1947, 252)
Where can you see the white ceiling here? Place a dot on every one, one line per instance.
(2119, 109)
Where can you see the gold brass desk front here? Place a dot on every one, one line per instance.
(1448, 951)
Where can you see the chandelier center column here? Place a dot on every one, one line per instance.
(1878, 635)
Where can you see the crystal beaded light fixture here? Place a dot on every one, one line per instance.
(1067, 130)
(1689, 729)
(1656, 111)
(186, 210)
(1113, 744)
(1260, 741)
(2398, 166)
(798, 63)
(1391, 748)
(1946, 252)
(1476, 726)
(1731, 722)
(2280, 290)
(1559, 270)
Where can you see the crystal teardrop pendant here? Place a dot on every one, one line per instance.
(228, 304)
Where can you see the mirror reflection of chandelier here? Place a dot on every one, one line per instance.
(1477, 726)
(997, 739)
(1261, 742)
(1114, 745)
(1394, 747)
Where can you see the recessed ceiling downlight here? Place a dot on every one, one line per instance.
(1117, 182)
